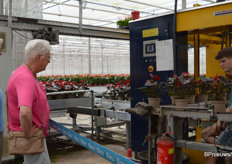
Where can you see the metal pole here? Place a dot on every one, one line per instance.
(92, 103)
(102, 58)
(1, 7)
(63, 59)
(81, 65)
(80, 15)
(10, 14)
(52, 67)
(89, 57)
(174, 40)
(183, 4)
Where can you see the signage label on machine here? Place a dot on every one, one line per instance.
(164, 55)
(150, 32)
(223, 12)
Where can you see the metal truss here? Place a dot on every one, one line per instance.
(28, 24)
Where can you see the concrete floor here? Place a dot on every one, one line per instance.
(88, 157)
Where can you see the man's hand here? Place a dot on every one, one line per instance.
(229, 109)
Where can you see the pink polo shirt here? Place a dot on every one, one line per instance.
(24, 90)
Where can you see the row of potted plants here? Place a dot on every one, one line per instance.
(120, 91)
(58, 83)
(90, 79)
(183, 87)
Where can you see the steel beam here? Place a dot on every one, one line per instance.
(213, 15)
(28, 24)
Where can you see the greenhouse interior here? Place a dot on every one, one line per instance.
(120, 82)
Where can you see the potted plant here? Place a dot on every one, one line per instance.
(218, 90)
(229, 82)
(124, 23)
(178, 89)
(111, 92)
(204, 88)
(152, 90)
(191, 85)
(123, 89)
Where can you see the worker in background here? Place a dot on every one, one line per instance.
(26, 97)
(1, 116)
(221, 129)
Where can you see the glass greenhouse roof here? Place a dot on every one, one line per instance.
(106, 13)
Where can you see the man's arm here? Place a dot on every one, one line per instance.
(26, 122)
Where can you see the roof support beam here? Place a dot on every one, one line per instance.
(77, 17)
(28, 24)
(90, 8)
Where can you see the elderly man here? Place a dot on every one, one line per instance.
(26, 97)
(220, 128)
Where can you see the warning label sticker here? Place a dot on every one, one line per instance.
(223, 12)
(150, 32)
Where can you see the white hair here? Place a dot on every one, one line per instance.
(34, 47)
(1, 40)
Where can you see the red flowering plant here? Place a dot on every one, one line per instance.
(204, 85)
(152, 87)
(218, 87)
(229, 82)
(111, 91)
(180, 86)
(121, 89)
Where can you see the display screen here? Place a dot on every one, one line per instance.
(150, 48)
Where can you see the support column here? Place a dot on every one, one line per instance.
(5, 72)
(196, 59)
(80, 15)
(228, 40)
(1, 7)
(89, 56)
